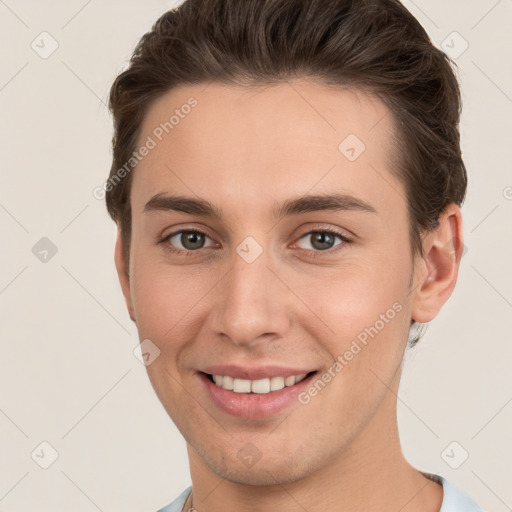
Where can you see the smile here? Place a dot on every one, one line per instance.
(254, 399)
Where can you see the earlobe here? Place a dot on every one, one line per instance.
(436, 273)
(123, 274)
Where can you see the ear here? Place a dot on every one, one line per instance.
(437, 270)
(123, 274)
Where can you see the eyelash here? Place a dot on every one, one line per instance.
(313, 253)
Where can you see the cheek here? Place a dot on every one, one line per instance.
(361, 312)
(368, 316)
(164, 307)
(351, 299)
(167, 299)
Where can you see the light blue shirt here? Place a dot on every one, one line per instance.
(454, 500)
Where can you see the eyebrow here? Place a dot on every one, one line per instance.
(296, 206)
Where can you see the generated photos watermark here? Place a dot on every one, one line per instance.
(344, 359)
(151, 142)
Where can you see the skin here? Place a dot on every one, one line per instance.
(245, 150)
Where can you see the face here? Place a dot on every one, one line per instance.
(271, 283)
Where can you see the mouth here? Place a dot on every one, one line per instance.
(255, 399)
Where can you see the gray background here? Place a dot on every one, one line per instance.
(68, 373)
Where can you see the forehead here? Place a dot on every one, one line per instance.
(247, 144)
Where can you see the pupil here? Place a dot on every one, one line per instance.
(191, 237)
(321, 238)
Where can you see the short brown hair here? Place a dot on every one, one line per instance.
(374, 45)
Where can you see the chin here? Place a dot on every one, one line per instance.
(279, 469)
(262, 476)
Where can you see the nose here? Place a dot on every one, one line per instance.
(252, 304)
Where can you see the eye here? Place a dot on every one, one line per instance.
(191, 240)
(324, 240)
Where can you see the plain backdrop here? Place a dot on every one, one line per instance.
(73, 394)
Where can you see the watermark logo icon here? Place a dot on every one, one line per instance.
(454, 45)
(44, 45)
(455, 455)
(44, 455)
(249, 455)
(146, 352)
(249, 249)
(351, 147)
(44, 250)
(449, 249)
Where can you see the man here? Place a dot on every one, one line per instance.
(287, 182)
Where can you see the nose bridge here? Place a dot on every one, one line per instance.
(253, 301)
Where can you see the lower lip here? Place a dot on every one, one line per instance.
(253, 406)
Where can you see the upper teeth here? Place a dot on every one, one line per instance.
(256, 386)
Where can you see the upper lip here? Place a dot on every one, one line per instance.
(254, 373)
